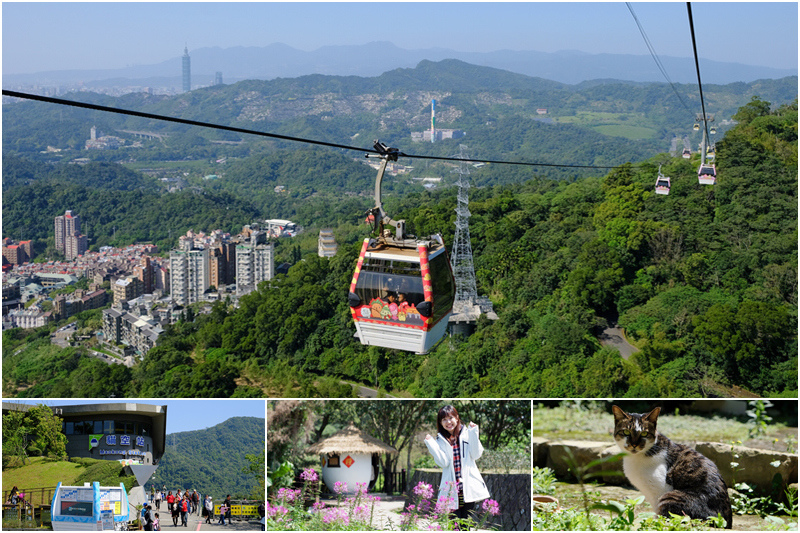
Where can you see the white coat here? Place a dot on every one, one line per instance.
(471, 450)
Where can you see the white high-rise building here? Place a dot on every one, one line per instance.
(255, 262)
(188, 275)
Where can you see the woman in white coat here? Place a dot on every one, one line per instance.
(455, 450)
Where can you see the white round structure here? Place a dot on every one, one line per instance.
(350, 468)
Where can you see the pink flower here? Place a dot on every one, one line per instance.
(277, 512)
(340, 487)
(309, 475)
(318, 506)
(288, 495)
(362, 488)
(424, 490)
(491, 507)
(336, 514)
(361, 512)
(443, 505)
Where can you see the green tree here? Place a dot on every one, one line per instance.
(256, 469)
(34, 432)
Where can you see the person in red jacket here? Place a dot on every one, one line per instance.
(184, 510)
(170, 501)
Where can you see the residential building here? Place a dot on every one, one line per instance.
(139, 332)
(29, 318)
(126, 289)
(222, 264)
(255, 262)
(75, 245)
(66, 224)
(144, 271)
(189, 275)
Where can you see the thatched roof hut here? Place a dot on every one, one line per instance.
(350, 440)
(350, 456)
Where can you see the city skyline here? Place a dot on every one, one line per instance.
(64, 36)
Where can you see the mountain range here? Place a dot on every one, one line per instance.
(211, 460)
(278, 60)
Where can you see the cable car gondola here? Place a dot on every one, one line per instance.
(401, 295)
(696, 127)
(662, 183)
(687, 154)
(707, 174)
(712, 130)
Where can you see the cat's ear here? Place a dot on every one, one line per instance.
(652, 416)
(619, 414)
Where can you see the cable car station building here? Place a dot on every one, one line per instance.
(111, 431)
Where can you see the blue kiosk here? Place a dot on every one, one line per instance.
(89, 508)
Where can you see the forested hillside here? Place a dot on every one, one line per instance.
(704, 281)
(211, 460)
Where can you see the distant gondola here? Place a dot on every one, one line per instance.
(402, 291)
(687, 154)
(662, 183)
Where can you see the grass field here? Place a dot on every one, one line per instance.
(43, 473)
(626, 125)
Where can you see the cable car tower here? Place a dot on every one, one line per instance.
(468, 306)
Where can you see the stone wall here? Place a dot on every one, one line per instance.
(511, 491)
(755, 467)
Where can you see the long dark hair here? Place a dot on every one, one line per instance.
(444, 412)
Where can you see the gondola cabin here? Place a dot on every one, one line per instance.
(687, 153)
(401, 295)
(707, 174)
(662, 185)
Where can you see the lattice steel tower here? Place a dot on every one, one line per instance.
(461, 259)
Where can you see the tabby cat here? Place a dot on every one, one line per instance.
(673, 478)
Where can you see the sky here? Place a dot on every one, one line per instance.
(42, 36)
(182, 415)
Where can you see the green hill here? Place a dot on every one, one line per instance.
(211, 460)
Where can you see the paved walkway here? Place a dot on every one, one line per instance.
(198, 523)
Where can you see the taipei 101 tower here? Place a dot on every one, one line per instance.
(187, 71)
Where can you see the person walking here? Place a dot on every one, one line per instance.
(170, 501)
(222, 511)
(455, 450)
(196, 502)
(175, 510)
(158, 500)
(148, 518)
(184, 510)
(228, 510)
(209, 508)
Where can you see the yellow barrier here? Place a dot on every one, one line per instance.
(239, 510)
